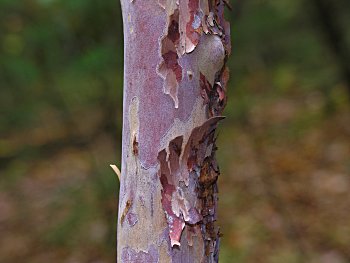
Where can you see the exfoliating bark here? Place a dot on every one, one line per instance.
(174, 94)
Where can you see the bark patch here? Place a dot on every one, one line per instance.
(175, 223)
(169, 69)
(214, 95)
(130, 255)
(132, 219)
(187, 22)
(194, 204)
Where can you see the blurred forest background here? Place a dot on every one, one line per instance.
(284, 148)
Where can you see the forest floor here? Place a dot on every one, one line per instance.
(284, 188)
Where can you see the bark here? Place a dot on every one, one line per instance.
(174, 94)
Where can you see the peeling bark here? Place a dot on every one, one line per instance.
(174, 93)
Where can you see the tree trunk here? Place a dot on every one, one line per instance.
(174, 93)
(327, 18)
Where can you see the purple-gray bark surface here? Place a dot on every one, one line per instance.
(174, 93)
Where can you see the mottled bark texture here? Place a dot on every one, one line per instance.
(174, 94)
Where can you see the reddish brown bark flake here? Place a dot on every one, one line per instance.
(169, 69)
(126, 210)
(175, 223)
(214, 96)
(135, 146)
(194, 25)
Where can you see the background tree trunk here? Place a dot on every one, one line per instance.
(327, 19)
(174, 93)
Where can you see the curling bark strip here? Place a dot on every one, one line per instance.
(175, 79)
